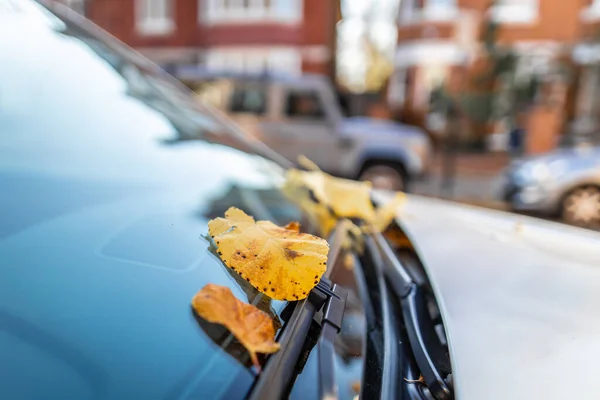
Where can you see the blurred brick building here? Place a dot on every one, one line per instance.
(440, 41)
(291, 36)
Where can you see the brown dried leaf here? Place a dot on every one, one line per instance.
(293, 226)
(251, 327)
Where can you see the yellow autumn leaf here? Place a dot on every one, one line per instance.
(319, 215)
(353, 236)
(327, 199)
(256, 298)
(348, 261)
(281, 263)
(307, 163)
(385, 214)
(293, 226)
(250, 326)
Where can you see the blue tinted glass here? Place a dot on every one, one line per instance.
(109, 173)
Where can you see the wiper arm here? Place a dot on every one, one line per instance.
(279, 371)
(282, 367)
(415, 319)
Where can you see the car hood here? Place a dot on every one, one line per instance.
(377, 128)
(519, 299)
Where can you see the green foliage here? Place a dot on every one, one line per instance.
(478, 106)
(504, 96)
(500, 95)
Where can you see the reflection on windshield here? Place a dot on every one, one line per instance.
(104, 201)
(220, 335)
(148, 83)
(61, 356)
(349, 346)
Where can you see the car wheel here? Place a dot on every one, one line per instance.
(581, 207)
(384, 176)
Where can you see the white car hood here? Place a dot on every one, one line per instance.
(520, 299)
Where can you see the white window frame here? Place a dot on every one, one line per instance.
(150, 25)
(255, 60)
(591, 13)
(407, 12)
(433, 11)
(516, 12)
(215, 12)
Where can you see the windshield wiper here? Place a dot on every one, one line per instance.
(421, 334)
(299, 336)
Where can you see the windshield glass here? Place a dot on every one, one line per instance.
(109, 173)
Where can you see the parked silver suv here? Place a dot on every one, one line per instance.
(301, 116)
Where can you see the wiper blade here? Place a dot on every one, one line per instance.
(296, 340)
(415, 320)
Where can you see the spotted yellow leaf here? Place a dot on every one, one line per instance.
(252, 328)
(281, 263)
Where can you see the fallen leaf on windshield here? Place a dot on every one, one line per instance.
(320, 215)
(385, 214)
(421, 380)
(307, 163)
(353, 236)
(293, 226)
(281, 263)
(327, 200)
(397, 238)
(250, 326)
(348, 261)
(256, 298)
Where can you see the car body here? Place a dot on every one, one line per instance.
(563, 183)
(519, 297)
(109, 174)
(301, 116)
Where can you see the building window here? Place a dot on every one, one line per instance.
(415, 11)
(407, 12)
(440, 10)
(244, 11)
(445, 4)
(515, 11)
(155, 17)
(255, 61)
(592, 12)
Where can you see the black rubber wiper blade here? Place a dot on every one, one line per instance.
(282, 367)
(274, 380)
(414, 318)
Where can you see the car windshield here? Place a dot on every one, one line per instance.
(110, 172)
